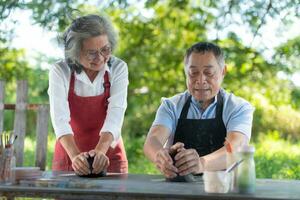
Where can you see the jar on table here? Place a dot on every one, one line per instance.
(8, 164)
(246, 177)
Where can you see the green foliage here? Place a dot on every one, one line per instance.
(153, 47)
(13, 67)
(288, 55)
(29, 153)
(12, 64)
(153, 42)
(295, 98)
(137, 162)
(277, 158)
(271, 117)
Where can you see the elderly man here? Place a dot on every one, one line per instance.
(195, 123)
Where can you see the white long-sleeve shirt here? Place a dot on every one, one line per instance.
(59, 81)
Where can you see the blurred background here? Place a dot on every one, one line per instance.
(261, 40)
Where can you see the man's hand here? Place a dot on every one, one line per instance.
(80, 164)
(164, 161)
(188, 161)
(101, 161)
(174, 149)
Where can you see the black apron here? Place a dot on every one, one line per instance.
(203, 135)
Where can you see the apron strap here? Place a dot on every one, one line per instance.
(72, 81)
(185, 109)
(106, 86)
(219, 109)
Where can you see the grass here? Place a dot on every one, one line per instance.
(277, 158)
(274, 157)
(29, 155)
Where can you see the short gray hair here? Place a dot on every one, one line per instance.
(203, 47)
(83, 28)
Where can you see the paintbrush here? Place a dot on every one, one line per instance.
(1, 144)
(13, 139)
(234, 165)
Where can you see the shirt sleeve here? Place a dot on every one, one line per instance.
(117, 101)
(166, 115)
(58, 98)
(240, 119)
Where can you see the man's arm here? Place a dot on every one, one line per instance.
(155, 141)
(155, 151)
(217, 159)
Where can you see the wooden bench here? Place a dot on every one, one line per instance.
(19, 129)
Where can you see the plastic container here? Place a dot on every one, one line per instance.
(216, 181)
(230, 159)
(246, 177)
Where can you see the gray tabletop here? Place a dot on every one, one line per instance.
(138, 186)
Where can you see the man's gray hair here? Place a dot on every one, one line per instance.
(83, 28)
(204, 47)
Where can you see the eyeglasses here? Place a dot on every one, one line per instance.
(104, 51)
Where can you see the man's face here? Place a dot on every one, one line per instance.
(204, 76)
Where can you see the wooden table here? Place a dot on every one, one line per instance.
(137, 186)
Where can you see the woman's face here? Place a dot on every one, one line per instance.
(95, 52)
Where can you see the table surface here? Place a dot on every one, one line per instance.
(67, 185)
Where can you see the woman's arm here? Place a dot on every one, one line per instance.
(117, 101)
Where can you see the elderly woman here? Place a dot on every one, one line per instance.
(87, 92)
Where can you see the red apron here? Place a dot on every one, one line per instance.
(87, 118)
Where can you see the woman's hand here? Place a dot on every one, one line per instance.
(80, 164)
(101, 161)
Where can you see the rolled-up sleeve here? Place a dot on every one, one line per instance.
(165, 115)
(240, 119)
(58, 98)
(117, 101)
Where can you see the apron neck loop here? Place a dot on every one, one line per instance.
(71, 88)
(185, 109)
(106, 86)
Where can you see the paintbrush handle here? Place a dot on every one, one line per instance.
(234, 165)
